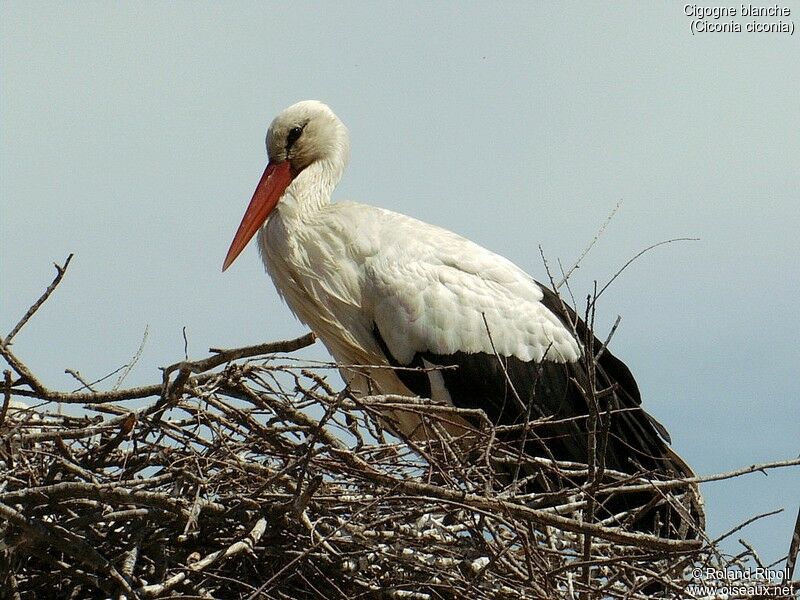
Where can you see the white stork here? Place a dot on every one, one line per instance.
(380, 288)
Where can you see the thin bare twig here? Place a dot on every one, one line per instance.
(636, 256)
(794, 549)
(60, 271)
(597, 236)
(134, 359)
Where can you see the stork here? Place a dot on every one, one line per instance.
(381, 289)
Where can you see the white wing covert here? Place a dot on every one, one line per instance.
(435, 296)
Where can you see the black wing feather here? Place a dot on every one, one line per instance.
(512, 391)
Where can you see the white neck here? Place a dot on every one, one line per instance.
(311, 189)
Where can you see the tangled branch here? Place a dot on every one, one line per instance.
(245, 475)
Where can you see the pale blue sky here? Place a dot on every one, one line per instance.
(133, 136)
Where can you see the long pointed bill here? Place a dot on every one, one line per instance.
(274, 181)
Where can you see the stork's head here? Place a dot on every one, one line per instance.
(305, 134)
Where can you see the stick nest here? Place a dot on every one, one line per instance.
(244, 477)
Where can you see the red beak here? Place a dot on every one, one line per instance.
(274, 181)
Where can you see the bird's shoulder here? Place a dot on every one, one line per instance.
(391, 240)
(430, 289)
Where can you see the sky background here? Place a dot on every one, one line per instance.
(132, 134)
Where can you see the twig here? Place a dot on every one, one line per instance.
(6, 397)
(565, 276)
(77, 375)
(638, 254)
(134, 359)
(794, 549)
(262, 349)
(681, 482)
(60, 271)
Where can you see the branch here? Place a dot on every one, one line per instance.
(41, 392)
(576, 264)
(60, 271)
(638, 254)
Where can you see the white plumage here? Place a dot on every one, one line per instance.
(353, 266)
(345, 268)
(382, 289)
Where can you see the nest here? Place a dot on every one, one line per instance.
(246, 475)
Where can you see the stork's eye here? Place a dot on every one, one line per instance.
(294, 134)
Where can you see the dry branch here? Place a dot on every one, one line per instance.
(258, 479)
